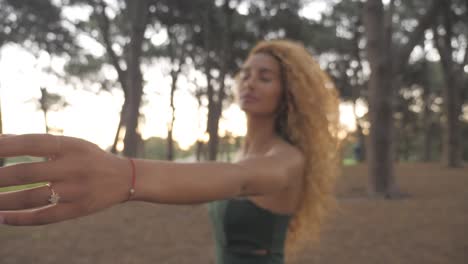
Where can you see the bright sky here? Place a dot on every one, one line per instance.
(94, 117)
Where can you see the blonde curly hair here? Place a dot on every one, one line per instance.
(309, 120)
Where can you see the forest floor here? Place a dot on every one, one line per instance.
(429, 226)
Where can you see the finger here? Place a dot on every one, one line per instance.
(38, 145)
(37, 197)
(25, 199)
(33, 172)
(7, 135)
(40, 216)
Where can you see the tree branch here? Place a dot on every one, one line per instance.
(104, 26)
(425, 21)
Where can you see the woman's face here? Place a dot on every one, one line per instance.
(260, 85)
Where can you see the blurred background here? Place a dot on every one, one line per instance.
(154, 79)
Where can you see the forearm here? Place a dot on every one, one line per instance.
(187, 183)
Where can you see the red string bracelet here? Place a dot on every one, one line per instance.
(132, 189)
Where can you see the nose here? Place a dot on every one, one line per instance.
(249, 83)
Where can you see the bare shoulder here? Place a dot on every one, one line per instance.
(282, 147)
(290, 154)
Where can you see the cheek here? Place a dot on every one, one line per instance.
(274, 93)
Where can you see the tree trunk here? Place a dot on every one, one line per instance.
(451, 139)
(384, 79)
(177, 57)
(113, 149)
(426, 119)
(406, 133)
(407, 147)
(212, 122)
(138, 14)
(452, 107)
(199, 150)
(170, 140)
(120, 126)
(213, 125)
(215, 107)
(46, 123)
(380, 102)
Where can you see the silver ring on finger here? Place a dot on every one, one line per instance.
(54, 197)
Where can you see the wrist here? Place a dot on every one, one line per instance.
(124, 179)
(131, 191)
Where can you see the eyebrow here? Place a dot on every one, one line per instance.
(261, 70)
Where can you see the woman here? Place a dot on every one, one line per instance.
(272, 198)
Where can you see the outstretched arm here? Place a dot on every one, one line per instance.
(89, 180)
(185, 183)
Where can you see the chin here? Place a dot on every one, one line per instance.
(244, 107)
(257, 112)
(248, 109)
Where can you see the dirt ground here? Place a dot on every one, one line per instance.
(428, 227)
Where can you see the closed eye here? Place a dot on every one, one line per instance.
(244, 74)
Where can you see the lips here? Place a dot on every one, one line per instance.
(248, 98)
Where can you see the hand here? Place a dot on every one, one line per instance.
(86, 178)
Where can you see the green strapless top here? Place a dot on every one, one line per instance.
(240, 227)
